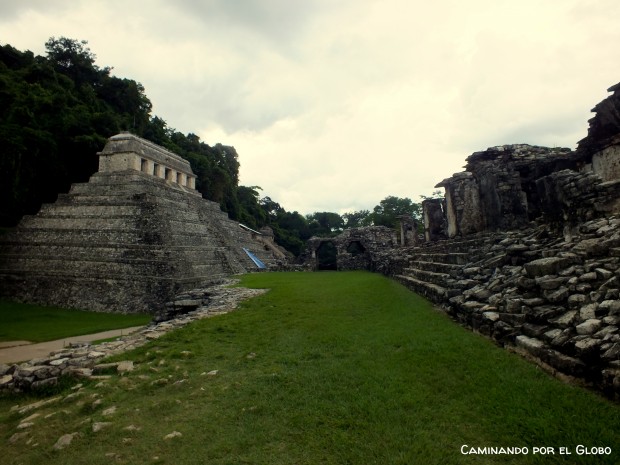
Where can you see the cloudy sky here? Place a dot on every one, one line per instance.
(333, 105)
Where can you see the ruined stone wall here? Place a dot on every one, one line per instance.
(463, 211)
(355, 248)
(507, 187)
(556, 301)
(498, 189)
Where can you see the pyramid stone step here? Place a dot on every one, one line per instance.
(436, 267)
(441, 279)
(431, 291)
(457, 258)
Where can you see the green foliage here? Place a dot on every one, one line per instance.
(357, 219)
(55, 114)
(326, 368)
(36, 323)
(390, 208)
(325, 223)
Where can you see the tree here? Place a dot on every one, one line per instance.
(357, 219)
(436, 194)
(251, 214)
(74, 58)
(391, 207)
(325, 223)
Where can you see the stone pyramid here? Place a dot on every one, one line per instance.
(128, 240)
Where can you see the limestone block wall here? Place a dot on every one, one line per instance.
(606, 163)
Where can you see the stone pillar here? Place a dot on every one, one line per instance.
(463, 211)
(149, 167)
(408, 230)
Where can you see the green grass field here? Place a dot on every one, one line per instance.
(35, 323)
(326, 368)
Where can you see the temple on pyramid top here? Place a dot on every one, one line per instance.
(126, 151)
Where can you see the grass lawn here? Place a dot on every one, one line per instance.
(23, 322)
(326, 368)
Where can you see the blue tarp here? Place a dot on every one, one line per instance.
(255, 259)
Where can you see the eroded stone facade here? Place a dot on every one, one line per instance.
(354, 249)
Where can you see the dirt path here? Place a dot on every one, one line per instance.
(19, 351)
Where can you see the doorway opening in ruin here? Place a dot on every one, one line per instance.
(326, 256)
(356, 248)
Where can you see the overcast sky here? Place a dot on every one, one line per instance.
(333, 105)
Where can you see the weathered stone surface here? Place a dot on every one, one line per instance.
(589, 326)
(6, 379)
(65, 440)
(588, 311)
(558, 295)
(100, 425)
(545, 266)
(612, 307)
(576, 300)
(174, 434)
(530, 344)
(550, 282)
(125, 367)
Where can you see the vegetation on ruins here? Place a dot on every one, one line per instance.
(57, 111)
(36, 323)
(324, 368)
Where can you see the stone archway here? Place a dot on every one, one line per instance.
(356, 248)
(327, 256)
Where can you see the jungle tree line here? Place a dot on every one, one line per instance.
(58, 110)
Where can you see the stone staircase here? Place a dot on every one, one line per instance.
(441, 270)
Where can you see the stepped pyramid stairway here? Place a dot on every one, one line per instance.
(126, 241)
(444, 269)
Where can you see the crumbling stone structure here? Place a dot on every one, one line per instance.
(354, 249)
(135, 235)
(498, 192)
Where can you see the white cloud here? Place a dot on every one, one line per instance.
(333, 105)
